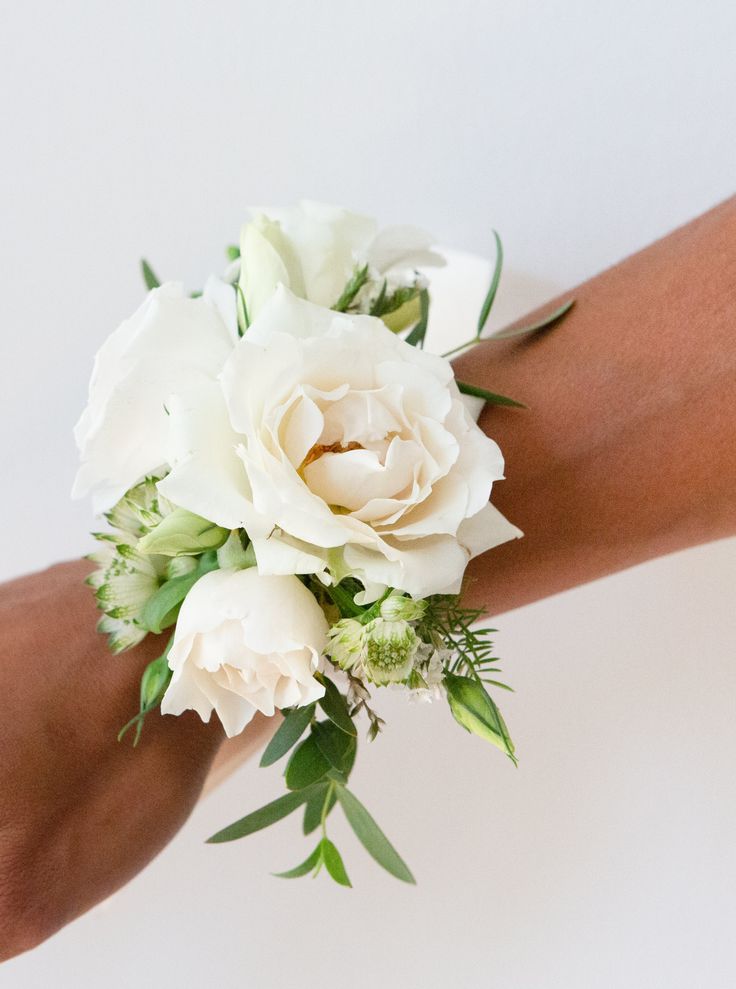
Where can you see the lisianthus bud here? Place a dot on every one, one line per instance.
(398, 608)
(180, 566)
(346, 643)
(232, 555)
(183, 534)
(390, 648)
(473, 708)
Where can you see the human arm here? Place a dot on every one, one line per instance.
(626, 452)
(628, 448)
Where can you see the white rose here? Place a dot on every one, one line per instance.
(245, 643)
(341, 449)
(170, 345)
(314, 250)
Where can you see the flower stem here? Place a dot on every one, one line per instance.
(326, 807)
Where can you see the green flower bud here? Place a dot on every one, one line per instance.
(397, 608)
(180, 566)
(346, 643)
(183, 534)
(232, 556)
(403, 317)
(472, 708)
(390, 648)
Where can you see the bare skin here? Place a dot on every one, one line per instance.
(627, 453)
(628, 448)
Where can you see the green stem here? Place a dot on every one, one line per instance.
(325, 808)
(462, 346)
(344, 601)
(375, 609)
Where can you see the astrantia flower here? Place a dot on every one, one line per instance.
(390, 648)
(245, 643)
(382, 651)
(345, 647)
(125, 578)
(315, 250)
(340, 449)
(124, 582)
(171, 344)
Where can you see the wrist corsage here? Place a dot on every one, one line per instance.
(294, 487)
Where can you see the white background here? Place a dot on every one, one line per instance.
(580, 130)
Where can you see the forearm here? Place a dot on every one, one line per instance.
(80, 813)
(627, 449)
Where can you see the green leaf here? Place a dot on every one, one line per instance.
(371, 837)
(262, 818)
(232, 252)
(493, 288)
(161, 609)
(474, 709)
(333, 862)
(314, 806)
(377, 307)
(419, 332)
(356, 283)
(338, 748)
(543, 324)
(345, 600)
(489, 396)
(288, 734)
(308, 865)
(335, 707)
(306, 766)
(148, 275)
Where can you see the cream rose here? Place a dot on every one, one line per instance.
(314, 249)
(341, 450)
(245, 643)
(170, 345)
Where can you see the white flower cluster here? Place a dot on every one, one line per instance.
(284, 407)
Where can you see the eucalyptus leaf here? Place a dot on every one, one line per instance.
(308, 865)
(288, 734)
(263, 817)
(492, 397)
(337, 747)
(333, 862)
(335, 706)
(371, 837)
(493, 288)
(307, 765)
(148, 275)
(315, 806)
